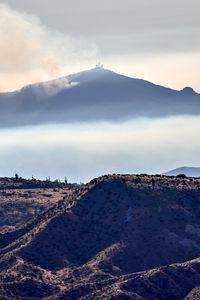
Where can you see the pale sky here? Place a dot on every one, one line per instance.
(82, 152)
(155, 40)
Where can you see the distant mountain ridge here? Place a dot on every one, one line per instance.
(188, 171)
(94, 95)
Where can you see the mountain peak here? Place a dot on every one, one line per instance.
(188, 90)
(94, 95)
(91, 75)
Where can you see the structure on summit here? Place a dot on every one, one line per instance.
(99, 65)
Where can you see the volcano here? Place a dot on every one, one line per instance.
(94, 95)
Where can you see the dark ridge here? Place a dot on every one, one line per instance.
(117, 237)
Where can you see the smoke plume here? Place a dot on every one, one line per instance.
(31, 52)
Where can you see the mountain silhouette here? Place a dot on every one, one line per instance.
(188, 171)
(94, 95)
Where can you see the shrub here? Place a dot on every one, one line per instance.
(181, 176)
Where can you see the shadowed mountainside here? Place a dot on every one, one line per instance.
(114, 238)
(94, 95)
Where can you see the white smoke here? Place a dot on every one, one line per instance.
(31, 52)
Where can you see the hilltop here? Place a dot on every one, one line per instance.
(102, 240)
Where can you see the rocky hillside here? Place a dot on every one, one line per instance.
(117, 237)
(18, 206)
(21, 200)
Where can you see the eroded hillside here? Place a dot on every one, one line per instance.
(102, 240)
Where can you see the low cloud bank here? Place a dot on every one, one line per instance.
(82, 152)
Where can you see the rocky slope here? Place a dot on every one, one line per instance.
(18, 206)
(21, 200)
(118, 237)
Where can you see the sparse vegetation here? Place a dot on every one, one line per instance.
(92, 243)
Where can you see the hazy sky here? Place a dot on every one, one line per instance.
(82, 152)
(156, 40)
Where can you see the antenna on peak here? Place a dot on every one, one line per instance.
(99, 65)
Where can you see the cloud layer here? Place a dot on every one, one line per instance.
(82, 152)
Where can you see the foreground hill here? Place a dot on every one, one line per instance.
(118, 237)
(94, 95)
(188, 171)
